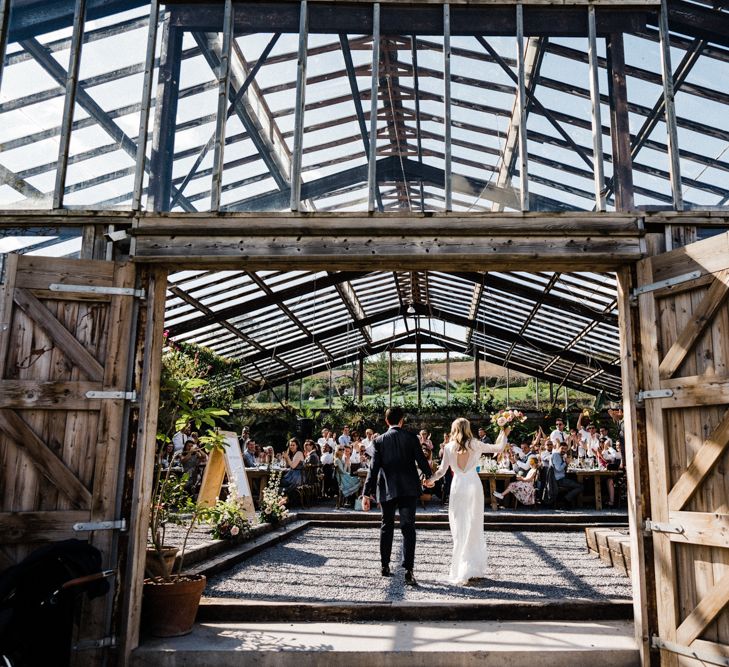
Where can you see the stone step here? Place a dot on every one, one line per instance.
(396, 644)
(502, 516)
(228, 610)
(541, 526)
(611, 544)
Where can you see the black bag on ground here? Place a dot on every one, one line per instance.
(36, 616)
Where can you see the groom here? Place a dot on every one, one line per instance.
(394, 473)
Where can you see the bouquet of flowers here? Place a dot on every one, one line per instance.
(228, 517)
(273, 506)
(507, 418)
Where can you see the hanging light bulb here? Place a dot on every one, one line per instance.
(411, 309)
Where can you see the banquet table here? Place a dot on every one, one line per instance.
(258, 479)
(491, 477)
(596, 475)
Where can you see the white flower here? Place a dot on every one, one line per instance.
(501, 421)
(234, 530)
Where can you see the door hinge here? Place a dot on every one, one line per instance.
(95, 289)
(657, 527)
(119, 524)
(90, 644)
(653, 393)
(125, 395)
(703, 656)
(668, 282)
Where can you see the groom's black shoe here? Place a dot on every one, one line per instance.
(410, 578)
(386, 571)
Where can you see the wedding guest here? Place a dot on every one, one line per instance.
(268, 457)
(311, 458)
(559, 464)
(483, 436)
(327, 467)
(523, 489)
(294, 459)
(244, 437)
(345, 438)
(612, 461)
(425, 439)
(166, 456)
(249, 456)
(326, 439)
(590, 442)
(348, 485)
(180, 438)
(546, 454)
(192, 459)
(369, 442)
(558, 436)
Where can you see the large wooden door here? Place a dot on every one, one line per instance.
(684, 334)
(66, 336)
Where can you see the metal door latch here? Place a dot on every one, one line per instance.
(657, 527)
(119, 524)
(653, 393)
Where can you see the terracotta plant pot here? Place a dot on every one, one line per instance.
(169, 605)
(160, 564)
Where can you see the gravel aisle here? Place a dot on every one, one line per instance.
(336, 564)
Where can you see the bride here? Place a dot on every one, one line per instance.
(465, 509)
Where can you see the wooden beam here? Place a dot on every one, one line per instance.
(704, 612)
(700, 319)
(588, 242)
(47, 463)
(35, 395)
(43, 526)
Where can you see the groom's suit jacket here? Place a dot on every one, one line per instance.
(393, 469)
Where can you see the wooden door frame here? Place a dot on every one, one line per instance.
(154, 279)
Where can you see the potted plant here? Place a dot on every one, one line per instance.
(171, 598)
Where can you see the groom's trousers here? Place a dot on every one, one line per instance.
(406, 505)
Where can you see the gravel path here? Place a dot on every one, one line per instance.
(336, 564)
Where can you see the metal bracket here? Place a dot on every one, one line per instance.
(703, 656)
(653, 393)
(125, 395)
(654, 527)
(90, 644)
(94, 289)
(115, 236)
(119, 524)
(668, 282)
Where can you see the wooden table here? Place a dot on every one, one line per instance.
(597, 477)
(491, 477)
(260, 475)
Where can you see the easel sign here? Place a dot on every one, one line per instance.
(228, 462)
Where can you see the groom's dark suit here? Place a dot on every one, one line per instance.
(396, 479)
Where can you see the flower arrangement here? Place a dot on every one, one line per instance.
(507, 417)
(273, 505)
(228, 517)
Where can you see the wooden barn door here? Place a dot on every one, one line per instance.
(683, 301)
(66, 331)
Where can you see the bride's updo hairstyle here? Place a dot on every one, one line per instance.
(461, 434)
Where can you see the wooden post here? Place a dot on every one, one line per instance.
(374, 85)
(389, 377)
(522, 115)
(221, 115)
(597, 154)
(619, 124)
(669, 108)
(69, 105)
(419, 369)
(299, 108)
(331, 387)
(636, 469)
(360, 379)
(448, 376)
(165, 114)
(149, 348)
(448, 185)
(146, 105)
(477, 375)
(4, 25)
(536, 392)
(301, 392)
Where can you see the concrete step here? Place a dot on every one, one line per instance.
(502, 516)
(396, 644)
(230, 610)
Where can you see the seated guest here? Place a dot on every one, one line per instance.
(311, 458)
(193, 460)
(294, 460)
(345, 438)
(523, 489)
(167, 456)
(326, 439)
(611, 460)
(483, 436)
(546, 453)
(425, 440)
(249, 456)
(268, 457)
(559, 464)
(348, 485)
(505, 459)
(327, 467)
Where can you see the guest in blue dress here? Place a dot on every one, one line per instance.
(348, 484)
(294, 459)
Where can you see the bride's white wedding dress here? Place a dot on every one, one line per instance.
(465, 510)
